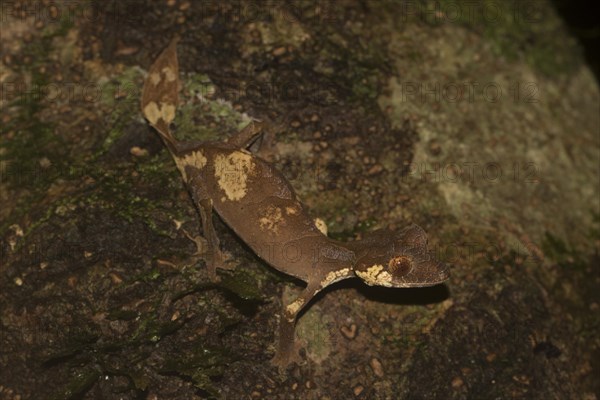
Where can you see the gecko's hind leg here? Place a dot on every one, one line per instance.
(215, 257)
(209, 246)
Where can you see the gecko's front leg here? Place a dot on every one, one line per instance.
(287, 346)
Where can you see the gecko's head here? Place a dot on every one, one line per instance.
(398, 259)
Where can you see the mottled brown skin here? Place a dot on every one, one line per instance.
(258, 203)
(267, 216)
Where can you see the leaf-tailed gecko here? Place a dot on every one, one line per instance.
(260, 206)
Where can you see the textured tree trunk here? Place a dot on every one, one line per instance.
(478, 121)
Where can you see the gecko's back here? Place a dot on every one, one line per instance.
(258, 203)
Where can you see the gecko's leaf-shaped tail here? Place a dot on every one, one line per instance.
(160, 94)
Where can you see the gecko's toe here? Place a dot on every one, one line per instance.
(228, 262)
(200, 242)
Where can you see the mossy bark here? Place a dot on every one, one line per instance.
(482, 130)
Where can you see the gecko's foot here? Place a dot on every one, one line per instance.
(214, 261)
(287, 356)
(221, 260)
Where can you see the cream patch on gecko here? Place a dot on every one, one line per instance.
(271, 218)
(291, 210)
(334, 276)
(165, 111)
(232, 173)
(375, 276)
(155, 78)
(294, 307)
(321, 226)
(169, 74)
(195, 159)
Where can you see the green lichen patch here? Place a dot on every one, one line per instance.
(121, 96)
(560, 252)
(527, 31)
(204, 117)
(316, 329)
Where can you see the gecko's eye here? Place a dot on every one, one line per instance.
(400, 266)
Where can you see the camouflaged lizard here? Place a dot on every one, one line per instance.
(261, 207)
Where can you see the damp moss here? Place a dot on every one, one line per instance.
(83, 353)
(199, 365)
(81, 381)
(114, 194)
